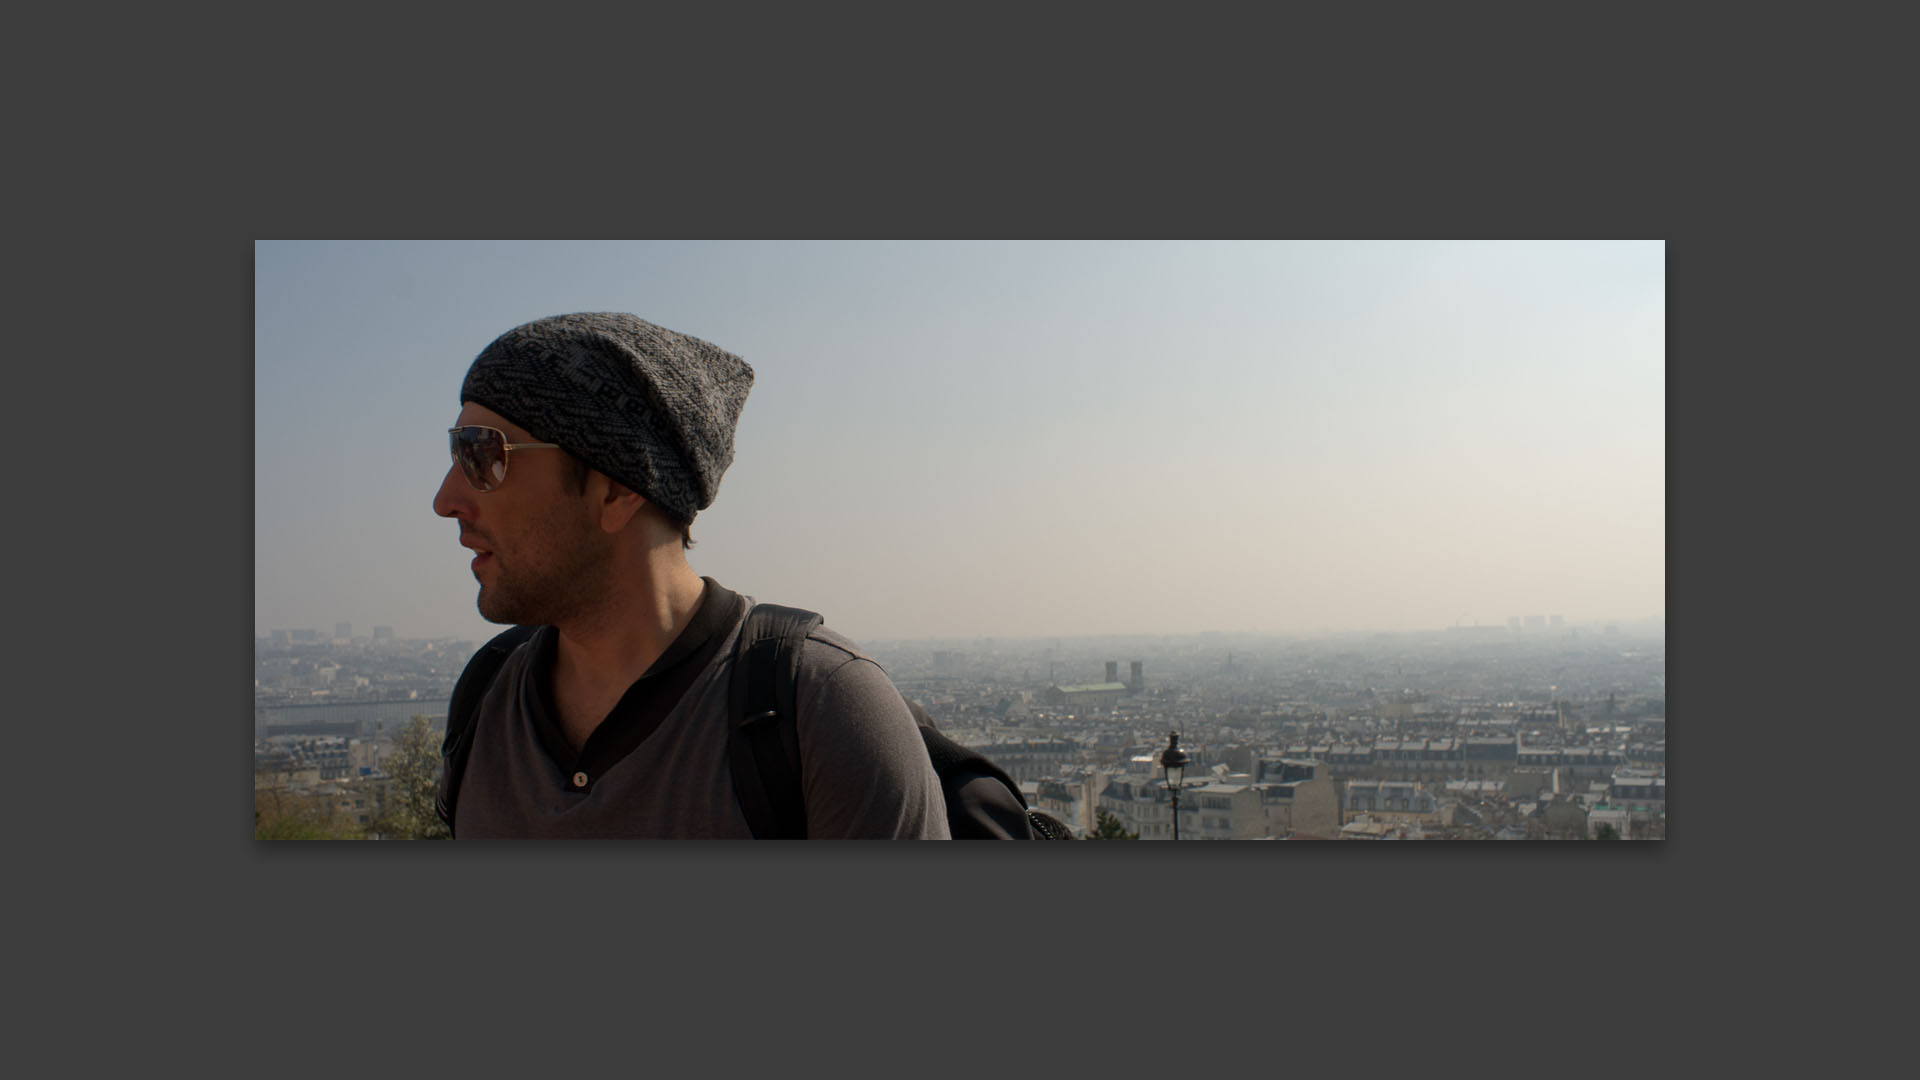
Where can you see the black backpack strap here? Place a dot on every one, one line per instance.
(473, 684)
(764, 746)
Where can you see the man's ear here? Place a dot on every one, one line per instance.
(618, 504)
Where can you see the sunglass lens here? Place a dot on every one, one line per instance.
(482, 454)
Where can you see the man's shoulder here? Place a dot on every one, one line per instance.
(834, 664)
(828, 646)
(508, 651)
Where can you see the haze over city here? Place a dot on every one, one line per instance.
(1023, 439)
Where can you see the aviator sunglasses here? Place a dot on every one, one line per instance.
(482, 454)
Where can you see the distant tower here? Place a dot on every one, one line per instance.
(342, 630)
(1113, 671)
(383, 633)
(1137, 680)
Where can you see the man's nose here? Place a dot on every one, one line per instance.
(452, 496)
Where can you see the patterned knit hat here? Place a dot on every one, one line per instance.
(651, 408)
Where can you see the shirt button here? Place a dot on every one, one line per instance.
(580, 779)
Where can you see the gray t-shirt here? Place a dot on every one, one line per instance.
(864, 769)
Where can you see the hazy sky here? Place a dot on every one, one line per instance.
(1023, 438)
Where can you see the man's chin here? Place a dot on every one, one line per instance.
(496, 609)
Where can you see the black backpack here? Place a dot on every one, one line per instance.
(983, 802)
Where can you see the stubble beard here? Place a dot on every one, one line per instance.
(555, 582)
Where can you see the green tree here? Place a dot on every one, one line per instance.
(1606, 831)
(1108, 827)
(414, 779)
(286, 815)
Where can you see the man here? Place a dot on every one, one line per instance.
(584, 447)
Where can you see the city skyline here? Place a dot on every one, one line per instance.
(1473, 736)
(1027, 439)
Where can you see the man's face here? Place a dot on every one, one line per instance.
(539, 553)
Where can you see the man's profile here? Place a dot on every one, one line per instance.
(584, 447)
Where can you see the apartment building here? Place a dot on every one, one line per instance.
(1031, 759)
(1638, 791)
(1222, 810)
(1391, 800)
(1298, 798)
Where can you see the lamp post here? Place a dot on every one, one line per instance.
(1174, 760)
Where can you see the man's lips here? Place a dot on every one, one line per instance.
(480, 554)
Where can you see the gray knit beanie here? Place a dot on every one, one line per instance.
(649, 407)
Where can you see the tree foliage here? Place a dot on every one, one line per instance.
(1606, 831)
(1108, 827)
(414, 771)
(287, 815)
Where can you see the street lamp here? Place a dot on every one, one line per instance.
(1174, 760)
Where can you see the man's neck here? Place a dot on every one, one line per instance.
(600, 655)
